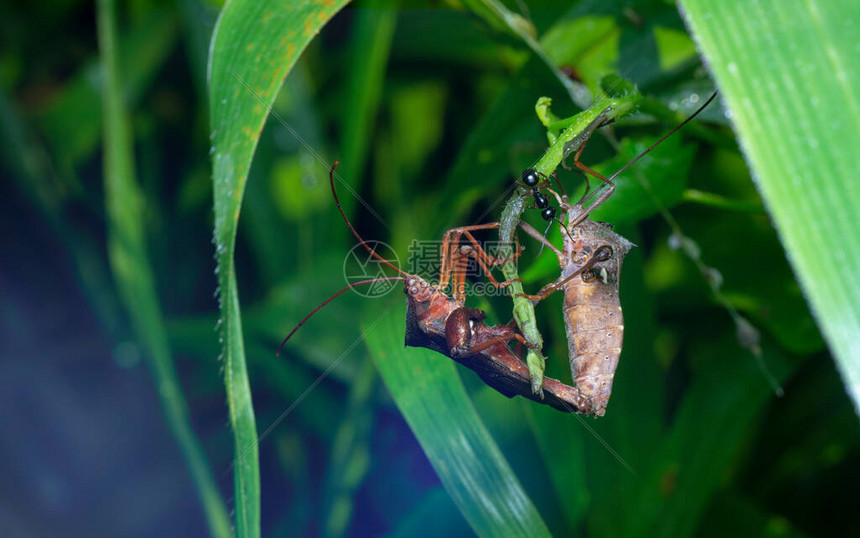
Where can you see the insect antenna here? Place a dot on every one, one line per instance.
(601, 194)
(548, 224)
(330, 299)
(354, 284)
(354, 232)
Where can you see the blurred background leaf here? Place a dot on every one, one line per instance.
(129, 261)
(430, 109)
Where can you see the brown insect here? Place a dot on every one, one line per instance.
(590, 262)
(440, 322)
(593, 319)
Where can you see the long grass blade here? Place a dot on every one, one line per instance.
(133, 274)
(254, 46)
(789, 75)
(430, 395)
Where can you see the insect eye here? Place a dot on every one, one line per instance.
(603, 253)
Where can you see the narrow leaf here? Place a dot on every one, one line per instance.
(789, 75)
(370, 46)
(254, 46)
(431, 396)
(133, 274)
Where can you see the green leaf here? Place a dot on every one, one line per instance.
(72, 120)
(436, 515)
(33, 175)
(370, 46)
(430, 395)
(733, 514)
(501, 18)
(254, 46)
(350, 452)
(562, 447)
(590, 43)
(133, 272)
(788, 74)
(715, 419)
(657, 181)
(492, 151)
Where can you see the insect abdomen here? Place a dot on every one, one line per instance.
(595, 331)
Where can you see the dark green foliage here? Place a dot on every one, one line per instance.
(431, 111)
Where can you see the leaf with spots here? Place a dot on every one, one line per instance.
(254, 47)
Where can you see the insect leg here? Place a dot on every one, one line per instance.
(450, 249)
(512, 325)
(601, 255)
(458, 280)
(455, 258)
(558, 183)
(529, 229)
(459, 332)
(447, 259)
(452, 262)
(544, 292)
(501, 339)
